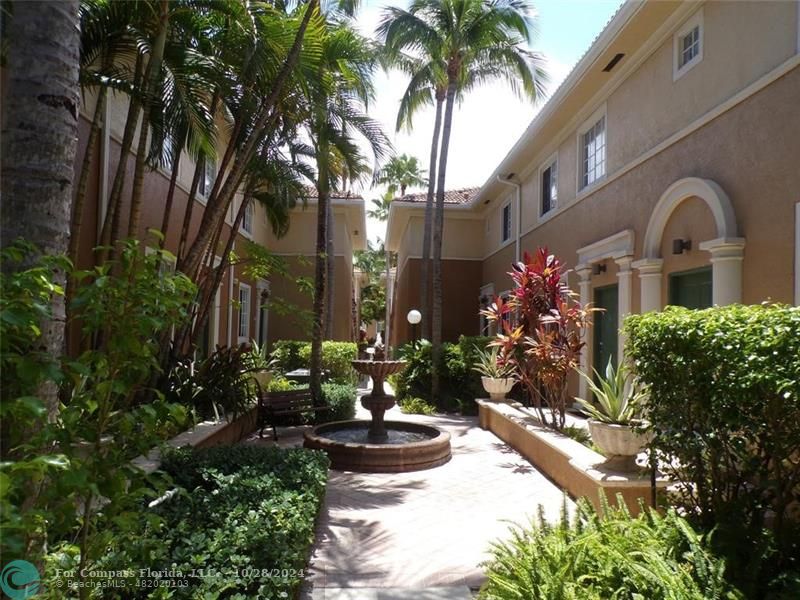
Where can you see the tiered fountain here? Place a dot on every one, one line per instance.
(380, 446)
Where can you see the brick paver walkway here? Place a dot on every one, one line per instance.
(428, 528)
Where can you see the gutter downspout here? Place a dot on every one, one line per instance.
(518, 212)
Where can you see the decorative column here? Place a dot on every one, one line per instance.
(650, 282)
(585, 288)
(727, 255)
(625, 299)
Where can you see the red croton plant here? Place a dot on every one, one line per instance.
(541, 328)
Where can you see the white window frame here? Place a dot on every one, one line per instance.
(552, 161)
(503, 239)
(585, 127)
(244, 324)
(695, 21)
(248, 219)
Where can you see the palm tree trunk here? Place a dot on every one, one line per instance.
(320, 273)
(151, 88)
(330, 267)
(110, 230)
(220, 201)
(83, 178)
(39, 142)
(199, 171)
(436, 319)
(173, 181)
(424, 300)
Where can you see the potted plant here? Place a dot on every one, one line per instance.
(613, 421)
(496, 375)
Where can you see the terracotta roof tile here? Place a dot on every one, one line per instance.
(312, 193)
(461, 196)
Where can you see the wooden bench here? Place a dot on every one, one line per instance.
(279, 404)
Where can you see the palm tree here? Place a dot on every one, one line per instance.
(337, 99)
(475, 41)
(401, 172)
(380, 207)
(39, 140)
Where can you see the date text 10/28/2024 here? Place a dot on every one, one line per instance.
(150, 578)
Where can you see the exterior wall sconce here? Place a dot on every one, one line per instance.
(679, 245)
(598, 268)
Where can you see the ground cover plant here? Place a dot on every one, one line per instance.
(607, 555)
(239, 525)
(724, 409)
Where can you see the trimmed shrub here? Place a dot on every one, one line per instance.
(612, 556)
(243, 516)
(724, 409)
(336, 356)
(341, 401)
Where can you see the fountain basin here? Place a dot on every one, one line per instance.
(347, 445)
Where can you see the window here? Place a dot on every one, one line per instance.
(691, 289)
(688, 45)
(247, 220)
(167, 150)
(244, 312)
(209, 175)
(593, 153)
(506, 222)
(549, 188)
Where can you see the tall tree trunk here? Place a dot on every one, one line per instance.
(173, 182)
(424, 300)
(320, 272)
(39, 141)
(83, 178)
(330, 267)
(111, 223)
(152, 87)
(436, 319)
(199, 171)
(222, 196)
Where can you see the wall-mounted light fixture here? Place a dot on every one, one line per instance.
(679, 245)
(598, 268)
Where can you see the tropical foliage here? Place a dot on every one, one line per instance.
(596, 556)
(618, 397)
(541, 332)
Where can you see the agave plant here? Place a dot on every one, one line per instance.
(618, 396)
(490, 365)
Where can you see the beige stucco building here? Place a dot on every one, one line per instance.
(664, 170)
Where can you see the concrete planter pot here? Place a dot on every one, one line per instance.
(620, 444)
(497, 388)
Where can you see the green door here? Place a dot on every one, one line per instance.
(605, 327)
(691, 289)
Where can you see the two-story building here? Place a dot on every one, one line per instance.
(664, 170)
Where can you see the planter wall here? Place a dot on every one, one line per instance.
(573, 466)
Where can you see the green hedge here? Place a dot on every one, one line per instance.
(341, 401)
(596, 557)
(239, 510)
(725, 406)
(336, 356)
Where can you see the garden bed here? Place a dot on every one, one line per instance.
(573, 466)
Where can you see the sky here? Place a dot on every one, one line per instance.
(491, 119)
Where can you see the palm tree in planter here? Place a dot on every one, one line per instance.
(468, 42)
(613, 421)
(497, 377)
(541, 333)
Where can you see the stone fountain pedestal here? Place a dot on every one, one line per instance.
(378, 401)
(379, 446)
